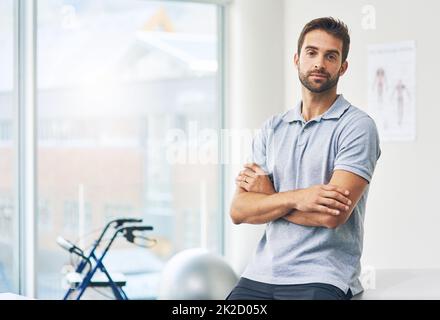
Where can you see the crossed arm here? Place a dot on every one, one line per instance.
(256, 202)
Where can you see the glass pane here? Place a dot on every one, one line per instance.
(8, 215)
(122, 85)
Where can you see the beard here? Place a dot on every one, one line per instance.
(318, 87)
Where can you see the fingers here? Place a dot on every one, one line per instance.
(244, 179)
(324, 209)
(330, 187)
(334, 204)
(255, 168)
(243, 185)
(336, 196)
(247, 175)
(248, 172)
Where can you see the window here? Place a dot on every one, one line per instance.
(73, 211)
(116, 79)
(5, 131)
(45, 217)
(8, 215)
(114, 211)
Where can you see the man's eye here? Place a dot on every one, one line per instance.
(310, 53)
(331, 57)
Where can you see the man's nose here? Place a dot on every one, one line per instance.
(319, 63)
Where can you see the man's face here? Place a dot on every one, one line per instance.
(320, 62)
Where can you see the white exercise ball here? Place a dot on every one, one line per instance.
(196, 274)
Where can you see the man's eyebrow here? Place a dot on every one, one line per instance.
(333, 51)
(328, 51)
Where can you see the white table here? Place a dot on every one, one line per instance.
(404, 284)
(390, 284)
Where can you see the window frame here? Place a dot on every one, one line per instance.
(26, 148)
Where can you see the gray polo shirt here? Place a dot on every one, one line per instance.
(298, 154)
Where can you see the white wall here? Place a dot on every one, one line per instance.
(402, 218)
(256, 91)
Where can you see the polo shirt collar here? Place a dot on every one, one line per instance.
(336, 110)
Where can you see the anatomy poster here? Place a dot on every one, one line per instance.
(391, 90)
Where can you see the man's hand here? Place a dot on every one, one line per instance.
(253, 179)
(327, 198)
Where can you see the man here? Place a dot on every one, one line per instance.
(309, 182)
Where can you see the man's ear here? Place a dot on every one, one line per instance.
(296, 60)
(344, 68)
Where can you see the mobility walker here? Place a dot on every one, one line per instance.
(85, 271)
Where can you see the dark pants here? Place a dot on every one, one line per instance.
(252, 290)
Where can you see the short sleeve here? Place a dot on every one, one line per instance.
(260, 144)
(359, 148)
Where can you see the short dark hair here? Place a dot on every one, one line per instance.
(333, 26)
